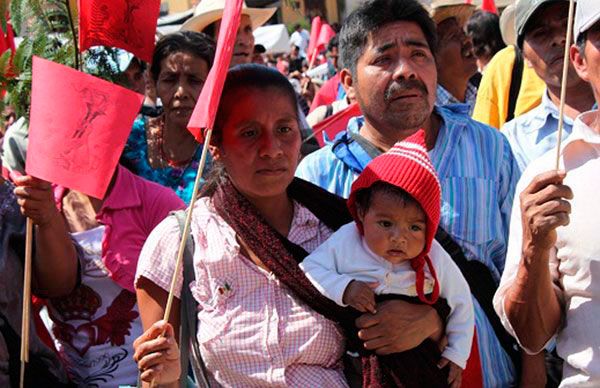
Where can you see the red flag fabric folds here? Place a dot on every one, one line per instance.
(315, 30)
(324, 37)
(78, 127)
(205, 111)
(126, 24)
(489, 5)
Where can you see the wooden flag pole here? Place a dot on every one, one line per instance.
(186, 228)
(310, 66)
(26, 300)
(563, 87)
(186, 231)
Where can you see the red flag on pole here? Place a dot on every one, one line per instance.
(315, 30)
(490, 6)
(324, 37)
(78, 127)
(335, 123)
(126, 24)
(205, 111)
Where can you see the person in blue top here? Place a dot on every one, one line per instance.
(387, 51)
(161, 149)
(542, 39)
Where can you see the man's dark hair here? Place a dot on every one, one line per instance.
(333, 43)
(195, 43)
(297, 26)
(364, 197)
(373, 15)
(581, 39)
(484, 30)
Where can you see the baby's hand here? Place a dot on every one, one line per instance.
(360, 295)
(454, 372)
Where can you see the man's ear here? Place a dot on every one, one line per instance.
(347, 82)
(579, 62)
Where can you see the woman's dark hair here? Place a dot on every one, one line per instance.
(246, 76)
(373, 15)
(364, 197)
(196, 43)
(484, 30)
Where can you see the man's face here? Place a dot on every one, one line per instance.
(544, 44)
(134, 76)
(455, 55)
(395, 80)
(333, 55)
(588, 64)
(244, 41)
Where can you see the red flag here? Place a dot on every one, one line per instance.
(205, 111)
(315, 30)
(490, 6)
(324, 37)
(126, 24)
(78, 127)
(336, 123)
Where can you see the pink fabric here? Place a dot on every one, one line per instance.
(131, 210)
(205, 111)
(252, 331)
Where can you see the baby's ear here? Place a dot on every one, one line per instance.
(360, 214)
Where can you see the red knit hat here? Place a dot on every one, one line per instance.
(407, 166)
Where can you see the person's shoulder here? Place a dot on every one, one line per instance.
(544, 163)
(319, 158)
(157, 194)
(503, 59)
(515, 126)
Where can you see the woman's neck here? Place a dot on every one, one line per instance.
(278, 211)
(178, 143)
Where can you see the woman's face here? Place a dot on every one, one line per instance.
(179, 83)
(260, 141)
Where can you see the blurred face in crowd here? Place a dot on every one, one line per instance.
(455, 56)
(134, 77)
(587, 62)
(244, 42)
(544, 44)
(333, 55)
(395, 80)
(179, 84)
(259, 147)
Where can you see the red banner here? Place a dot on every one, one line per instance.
(205, 111)
(126, 24)
(78, 127)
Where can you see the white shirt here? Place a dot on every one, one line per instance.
(575, 261)
(345, 257)
(300, 39)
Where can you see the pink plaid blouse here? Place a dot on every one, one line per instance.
(252, 330)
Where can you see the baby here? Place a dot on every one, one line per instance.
(390, 249)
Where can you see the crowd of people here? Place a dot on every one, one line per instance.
(432, 242)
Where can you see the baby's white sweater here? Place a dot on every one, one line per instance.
(345, 257)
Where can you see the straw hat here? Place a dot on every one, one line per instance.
(507, 25)
(441, 10)
(209, 11)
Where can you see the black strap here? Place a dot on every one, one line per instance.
(328, 111)
(515, 84)
(483, 288)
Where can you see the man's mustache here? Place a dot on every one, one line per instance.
(399, 88)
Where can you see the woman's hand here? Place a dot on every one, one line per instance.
(36, 200)
(157, 355)
(399, 326)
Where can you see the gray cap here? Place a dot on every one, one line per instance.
(523, 13)
(587, 14)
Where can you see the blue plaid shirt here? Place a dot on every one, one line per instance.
(478, 174)
(534, 133)
(445, 98)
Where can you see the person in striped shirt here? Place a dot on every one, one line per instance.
(387, 51)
